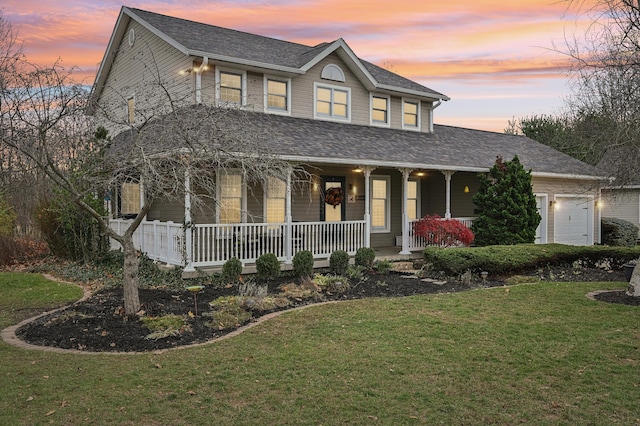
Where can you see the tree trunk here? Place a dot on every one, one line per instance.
(634, 284)
(130, 285)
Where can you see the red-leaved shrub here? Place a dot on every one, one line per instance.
(440, 232)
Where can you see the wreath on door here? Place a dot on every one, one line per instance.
(334, 196)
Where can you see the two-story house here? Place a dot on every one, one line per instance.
(366, 134)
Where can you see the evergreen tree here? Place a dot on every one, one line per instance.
(506, 206)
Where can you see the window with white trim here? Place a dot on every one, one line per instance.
(410, 114)
(380, 206)
(332, 102)
(130, 198)
(379, 110)
(277, 98)
(231, 86)
(413, 199)
(230, 187)
(275, 195)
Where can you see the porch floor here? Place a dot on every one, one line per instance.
(391, 253)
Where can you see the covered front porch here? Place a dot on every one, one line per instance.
(376, 208)
(211, 245)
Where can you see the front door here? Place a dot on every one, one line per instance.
(332, 203)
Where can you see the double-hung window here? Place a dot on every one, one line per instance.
(411, 114)
(413, 199)
(231, 86)
(277, 97)
(332, 102)
(380, 205)
(276, 192)
(230, 187)
(379, 110)
(129, 198)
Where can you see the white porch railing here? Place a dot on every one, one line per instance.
(214, 244)
(162, 241)
(419, 243)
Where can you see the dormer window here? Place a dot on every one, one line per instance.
(410, 114)
(332, 102)
(231, 86)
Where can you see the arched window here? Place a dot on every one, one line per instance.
(332, 72)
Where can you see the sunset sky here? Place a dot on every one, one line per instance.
(494, 58)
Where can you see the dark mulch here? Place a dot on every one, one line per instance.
(98, 324)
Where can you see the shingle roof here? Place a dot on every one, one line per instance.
(448, 148)
(195, 36)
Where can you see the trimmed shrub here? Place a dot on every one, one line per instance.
(339, 262)
(512, 259)
(268, 266)
(619, 232)
(365, 257)
(231, 270)
(439, 232)
(303, 264)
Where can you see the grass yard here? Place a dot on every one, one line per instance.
(532, 354)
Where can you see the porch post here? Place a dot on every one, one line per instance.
(405, 208)
(367, 205)
(288, 235)
(144, 219)
(447, 178)
(186, 228)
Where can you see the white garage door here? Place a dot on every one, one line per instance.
(573, 222)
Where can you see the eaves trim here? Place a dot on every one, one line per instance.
(413, 92)
(156, 31)
(340, 43)
(247, 62)
(567, 176)
(380, 163)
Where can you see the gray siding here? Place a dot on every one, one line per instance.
(551, 187)
(622, 204)
(134, 74)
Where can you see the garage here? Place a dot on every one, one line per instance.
(573, 220)
(541, 205)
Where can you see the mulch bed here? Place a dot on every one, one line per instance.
(98, 324)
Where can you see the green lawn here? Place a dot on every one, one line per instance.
(532, 354)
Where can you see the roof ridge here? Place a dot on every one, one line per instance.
(223, 28)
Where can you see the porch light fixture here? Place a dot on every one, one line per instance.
(466, 189)
(358, 169)
(420, 174)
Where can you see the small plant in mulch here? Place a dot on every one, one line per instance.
(382, 266)
(332, 283)
(165, 326)
(227, 313)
